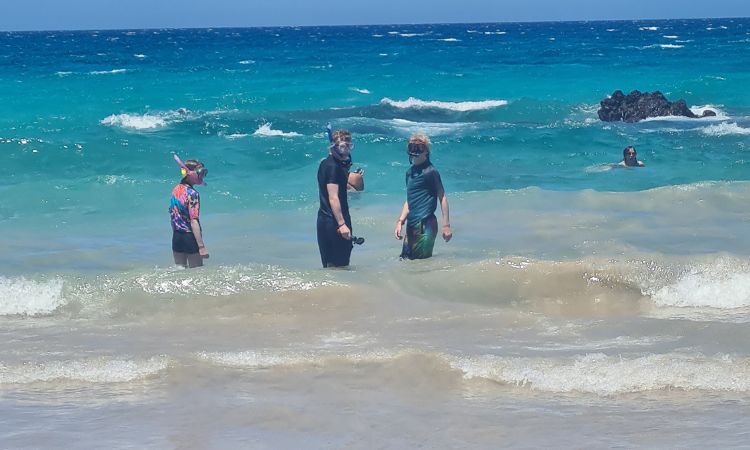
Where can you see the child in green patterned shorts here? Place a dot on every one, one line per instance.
(424, 189)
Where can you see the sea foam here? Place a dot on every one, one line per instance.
(265, 130)
(135, 121)
(594, 373)
(415, 103)
(101, 370)
(721, 285)
(725, 129)
(30, 298)
(607, 375)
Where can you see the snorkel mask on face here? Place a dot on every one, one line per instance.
(337, 150)
(193, 176)
(414, 150)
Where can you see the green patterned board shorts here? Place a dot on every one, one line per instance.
(420, 238)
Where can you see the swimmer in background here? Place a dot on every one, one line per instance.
(188, 247)
(629, 158)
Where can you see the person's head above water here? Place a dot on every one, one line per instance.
(418, 148)
(630, 157)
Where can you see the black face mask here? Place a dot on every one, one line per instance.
(346, 163)
(415, 150)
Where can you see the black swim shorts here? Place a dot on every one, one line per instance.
(184, 242)
(335, 251)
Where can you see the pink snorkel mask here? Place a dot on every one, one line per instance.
(194, 176)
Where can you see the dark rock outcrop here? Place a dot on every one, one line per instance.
(642, 105)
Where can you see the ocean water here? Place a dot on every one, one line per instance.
(577, 305)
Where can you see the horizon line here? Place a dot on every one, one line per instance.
(369, 25)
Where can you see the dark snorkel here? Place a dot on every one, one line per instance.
(416, 149)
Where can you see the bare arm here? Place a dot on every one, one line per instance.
(333, 200)
(447, 233)
(401, 219)
(199, 237)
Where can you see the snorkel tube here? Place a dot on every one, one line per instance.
(183, 168)
(185, 171)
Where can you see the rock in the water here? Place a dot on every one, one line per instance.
(638, 105)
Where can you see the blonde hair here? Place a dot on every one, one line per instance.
(420, 139)
(341, 136)
(418, 144)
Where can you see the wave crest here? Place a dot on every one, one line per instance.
(607, 375)
(415, 103)
(594, 373)
(265, 130)
(725, 129)
(102, 370)
(135, 121)
(30, 298)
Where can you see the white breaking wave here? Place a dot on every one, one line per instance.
(416, 103)
(269, 359)
(408, 127)
(725, 129)
(139, 55)
(668, 36)
(102, 370)
(450, 40)
(361, 91)
(148, 121)
(246, 62)
(721, 115)
(135, 121)
(592, 373)
(108, 72)
(30, 298)
(722, 285)
(649, 28)
(265, 130)
(608, 375)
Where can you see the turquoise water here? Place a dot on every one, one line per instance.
(97, 112)
(573, 296)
